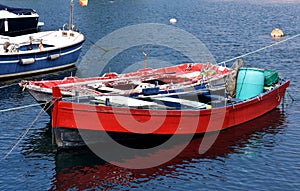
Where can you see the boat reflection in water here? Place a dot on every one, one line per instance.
(81, 169)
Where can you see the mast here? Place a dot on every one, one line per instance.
(71, 15)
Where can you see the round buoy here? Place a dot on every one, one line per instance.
(277, 33)
(173, 21)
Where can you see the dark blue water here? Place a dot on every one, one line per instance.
(263, 154)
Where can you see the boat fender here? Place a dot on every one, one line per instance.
(26, 61)
(53, 56)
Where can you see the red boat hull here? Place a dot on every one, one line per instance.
(91, 174)
(87, 117)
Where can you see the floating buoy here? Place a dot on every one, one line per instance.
(173, 21)
(277, 33)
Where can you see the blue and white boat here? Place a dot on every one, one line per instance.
(39, 52)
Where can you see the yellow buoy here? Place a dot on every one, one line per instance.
(277, 33)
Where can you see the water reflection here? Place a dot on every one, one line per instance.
(82, 169)
(39, 144)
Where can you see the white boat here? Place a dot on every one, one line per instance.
(39, 52)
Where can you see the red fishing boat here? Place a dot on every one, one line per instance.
(153, 116)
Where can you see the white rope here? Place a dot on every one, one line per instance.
(5, 86)
(17, 108)
(260, 49)
(21, 137)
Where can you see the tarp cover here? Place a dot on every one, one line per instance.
(18, 11)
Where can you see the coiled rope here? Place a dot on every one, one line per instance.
(21, 137)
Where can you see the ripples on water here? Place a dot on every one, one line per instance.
(260, 155)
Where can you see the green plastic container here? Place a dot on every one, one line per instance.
(271, 77)
(250, 83)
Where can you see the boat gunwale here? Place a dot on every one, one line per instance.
(37, 52)
(65, 105)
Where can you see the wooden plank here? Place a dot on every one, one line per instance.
(109, 89)
(122, 100)
(194, 92)
(185, 102)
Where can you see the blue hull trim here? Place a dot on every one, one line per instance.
(24, 64)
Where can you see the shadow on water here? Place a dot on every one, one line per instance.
(39, 143)
(81, 169)
(43, 76)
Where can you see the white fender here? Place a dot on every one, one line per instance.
(26, 61)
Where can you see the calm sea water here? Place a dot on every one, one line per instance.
(263, 154)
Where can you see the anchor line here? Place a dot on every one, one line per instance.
(17, 108)
(94, 44)
(6, 86)
(21, 137)
(289, 94)
(258, 50)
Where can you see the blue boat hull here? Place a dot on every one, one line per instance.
(25, 64)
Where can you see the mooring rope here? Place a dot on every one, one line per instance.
(289, 94)
(21, 137)
(17, 108)
(6, 86)
(94, 45)
(260, 49)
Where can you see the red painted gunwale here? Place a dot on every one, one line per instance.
(106, 118)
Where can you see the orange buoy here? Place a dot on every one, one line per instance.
(277, 33)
